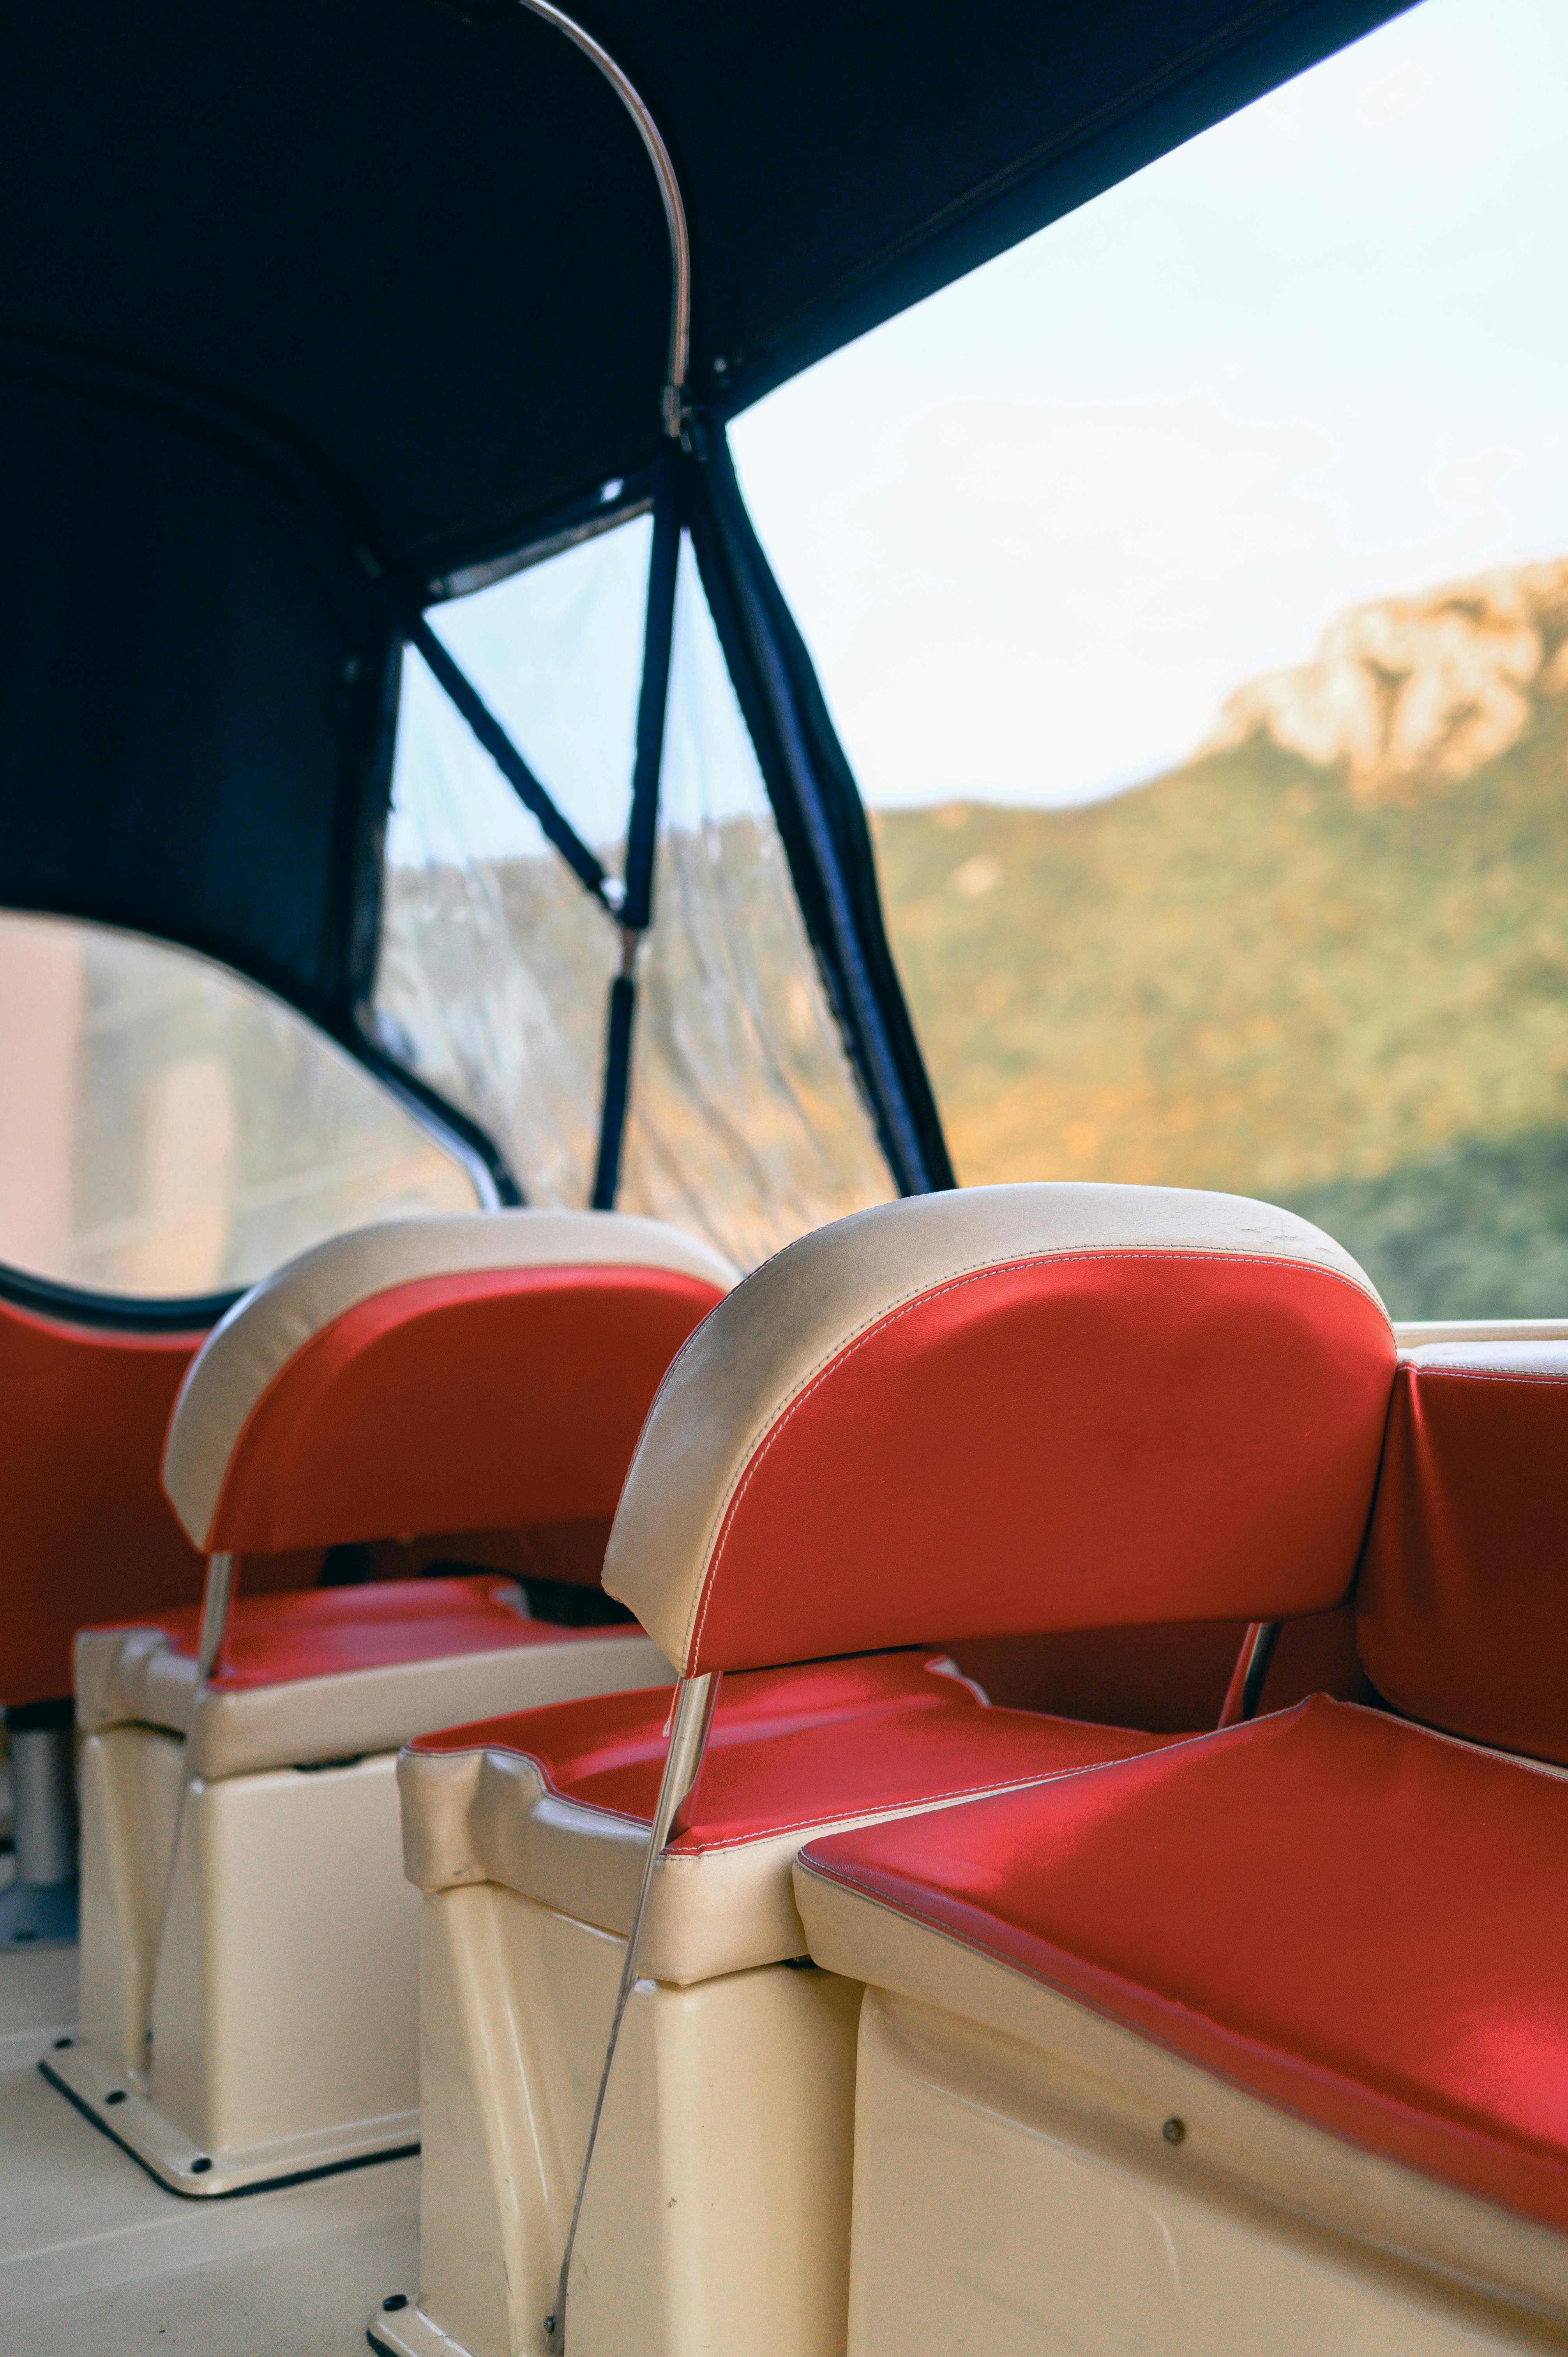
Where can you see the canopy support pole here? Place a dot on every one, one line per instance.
(642, 825)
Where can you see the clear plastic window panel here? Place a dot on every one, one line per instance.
(745, 1124)
(168, 1130)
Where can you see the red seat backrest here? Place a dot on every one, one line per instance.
(85, 1531)
(483, 1372)
(1462, 1610)
(1010, 1409)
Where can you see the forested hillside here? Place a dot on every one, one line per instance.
(1325, 961)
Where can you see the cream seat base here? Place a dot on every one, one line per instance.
(717, 2214)
(283, 1977)
(1014, 2190)
(116, 2102)
(285, 2006)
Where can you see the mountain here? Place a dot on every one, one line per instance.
(1325, 961)
(1411, 692)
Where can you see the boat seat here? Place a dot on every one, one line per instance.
(557, 1803)
(245, 1922)
(485, 1372)
(1328, 1945)
(325, 1672)
(993, 1411)
(1356, 1920)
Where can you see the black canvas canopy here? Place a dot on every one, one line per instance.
(304, 292)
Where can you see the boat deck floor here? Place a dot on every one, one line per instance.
(96, 2257)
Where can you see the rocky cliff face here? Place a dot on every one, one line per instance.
(1415, 691)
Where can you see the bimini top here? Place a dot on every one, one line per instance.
(316, 310)
(418, 242)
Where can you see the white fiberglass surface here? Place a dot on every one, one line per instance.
(745, 1123)
(167, 1129)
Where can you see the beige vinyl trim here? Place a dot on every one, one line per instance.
(745, 1366)
(130, 1677)
(246, 1352)
(1116, 2088)
(489, 1816)
(1416, 1333)
(1530, 1357)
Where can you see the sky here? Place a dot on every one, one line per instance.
(1039, 527)
(1036, 529)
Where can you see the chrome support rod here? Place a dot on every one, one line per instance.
(693, 1716)
(1246, 1688)
(672, 406)
(217, 1596)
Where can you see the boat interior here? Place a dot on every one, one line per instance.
(635, 1723)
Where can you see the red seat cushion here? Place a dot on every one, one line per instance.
(1364, 1924)
(1459, 1610)
(797, 1747)
(84, 1528)
(319, 1632)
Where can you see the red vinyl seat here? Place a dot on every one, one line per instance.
(791, 1750)
(1344, 1912)
(85, 1531)
(324, 1632)
(487, 1372)
(1361, 1921)
(1074, 1406)
(988, 1412)
(1462, 1608)
(326, 1672)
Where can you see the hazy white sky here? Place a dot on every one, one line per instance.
(1036, 529)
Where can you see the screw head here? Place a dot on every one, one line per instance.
(394, 2300)
(62, 2043)
(115, 2095)
(200, 2165)
(1174, 2131)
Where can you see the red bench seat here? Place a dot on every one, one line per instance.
(1361, 1921)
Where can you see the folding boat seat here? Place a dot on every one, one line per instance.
(993, 1411)
(250, 1955)
(1261, 2043)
